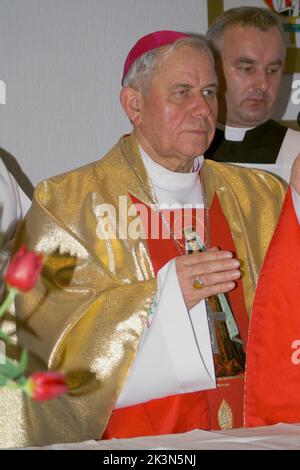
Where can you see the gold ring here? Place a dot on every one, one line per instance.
(198, 283)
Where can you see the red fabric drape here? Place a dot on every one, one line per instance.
(273, 374)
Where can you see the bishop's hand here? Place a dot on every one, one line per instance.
(213, 270)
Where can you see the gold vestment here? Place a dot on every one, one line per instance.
(86, 314)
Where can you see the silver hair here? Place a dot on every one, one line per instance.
(259, 18)
(140, 73)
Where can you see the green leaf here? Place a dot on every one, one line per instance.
(7, 369)
(23, 363)
(3, 380)
(11, 370)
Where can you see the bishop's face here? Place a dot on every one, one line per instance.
(252, 66)
(177, 114)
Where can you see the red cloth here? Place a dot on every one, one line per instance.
(220, 235)
(230, 390)
(273, 372)
(170, 415)
(161, 250)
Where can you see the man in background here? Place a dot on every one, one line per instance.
(250, 53)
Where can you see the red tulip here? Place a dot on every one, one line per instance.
(23, 270)
(46, 385)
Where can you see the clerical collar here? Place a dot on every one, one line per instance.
(171, 180)
(234, 134)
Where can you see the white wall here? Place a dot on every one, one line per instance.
(62, 61)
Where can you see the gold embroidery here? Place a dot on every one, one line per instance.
(225, 416)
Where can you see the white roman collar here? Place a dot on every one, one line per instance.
(171, 180)
(235, 134)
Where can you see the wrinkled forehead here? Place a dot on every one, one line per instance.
(185, 59)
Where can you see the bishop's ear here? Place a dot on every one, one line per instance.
(131, 100)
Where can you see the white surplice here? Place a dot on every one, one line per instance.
(175, 354)
(13, 203)
(13, 206)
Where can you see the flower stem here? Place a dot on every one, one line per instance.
(9, 299)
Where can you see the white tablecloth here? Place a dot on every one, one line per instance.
(279, 436)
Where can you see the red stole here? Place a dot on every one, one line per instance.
(185, 412)
(273, 362)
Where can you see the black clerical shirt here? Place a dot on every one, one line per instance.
(260, 145)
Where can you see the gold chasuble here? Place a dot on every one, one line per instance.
(87, 313)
